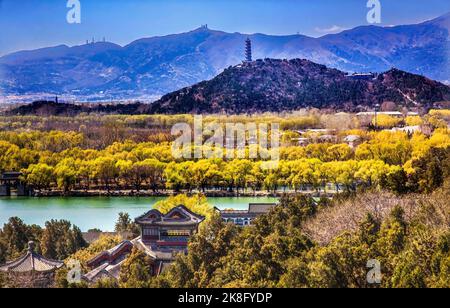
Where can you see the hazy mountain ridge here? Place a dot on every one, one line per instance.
(158, 65)
(282, 85)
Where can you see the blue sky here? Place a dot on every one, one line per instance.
(29, 24)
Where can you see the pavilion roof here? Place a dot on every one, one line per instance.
(31, 262)
(179, 215)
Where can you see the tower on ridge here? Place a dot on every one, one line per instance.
(248, 50)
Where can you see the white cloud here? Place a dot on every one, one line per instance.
(330, 30)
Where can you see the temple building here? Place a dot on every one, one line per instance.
(246, 217)
(107, 264)
(163, 237)
(32, 270)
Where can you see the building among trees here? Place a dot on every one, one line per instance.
(10, 181)
(163, 237)
(245, 217)
(31, 270)
(106, 265)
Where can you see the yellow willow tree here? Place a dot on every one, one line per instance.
(197, 204)
(40, 176)
(66, 172)
(371, 172)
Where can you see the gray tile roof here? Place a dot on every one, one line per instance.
(156, 254)
(111, 254)
(352, 138)
(154, 217)
(104, 271)
(31, 261)
(260, 208)
(112, 270)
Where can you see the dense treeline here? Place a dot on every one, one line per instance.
(305, 243)
(57, 160)
(101, 131)
(300, 243)
(57, 240)
(410, 243)
(308, 243)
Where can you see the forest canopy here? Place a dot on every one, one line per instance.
(135, 153)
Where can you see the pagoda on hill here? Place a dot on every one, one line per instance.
(248, 50)
(32, 270)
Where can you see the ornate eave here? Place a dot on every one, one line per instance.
(155, 217)
(31, 262)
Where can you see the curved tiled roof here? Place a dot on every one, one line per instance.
(30, 262)
(112, 253)
(104, 271)
(188, 217)
(261, 208)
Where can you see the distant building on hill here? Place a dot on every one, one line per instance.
(362, 76)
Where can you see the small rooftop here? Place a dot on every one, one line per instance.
(261, 208)
(104, 271)
(10, 175)
(253, 208)
(179, 215)
(352, 138)
(407, 129)
(112, 254)
(31, 262)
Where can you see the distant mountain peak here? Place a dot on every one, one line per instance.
(203, 28)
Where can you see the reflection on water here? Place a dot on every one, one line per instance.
(95, 212)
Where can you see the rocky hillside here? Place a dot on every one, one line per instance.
(282, 85)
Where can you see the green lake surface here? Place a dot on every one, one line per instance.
(96, 212)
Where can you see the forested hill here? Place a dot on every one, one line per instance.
(282, 85)
(275, 86)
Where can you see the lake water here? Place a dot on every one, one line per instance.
(96, 212)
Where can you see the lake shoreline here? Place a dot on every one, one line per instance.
(129, 193)
(98, 212)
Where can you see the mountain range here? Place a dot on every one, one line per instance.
(155, 66)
